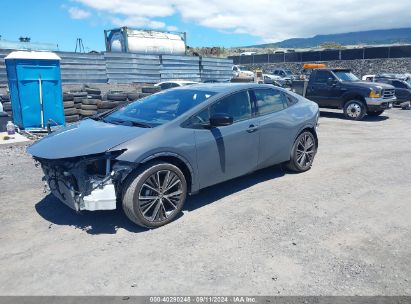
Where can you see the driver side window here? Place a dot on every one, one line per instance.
(322, 76)
(237, 105)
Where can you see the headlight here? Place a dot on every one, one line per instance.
(375, 93)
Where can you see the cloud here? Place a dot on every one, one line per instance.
(78, 13)
(136, 21)
(172, 28)
(270, 20)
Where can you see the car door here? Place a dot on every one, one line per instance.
(276, 126)
(320, 91)
(226, 152)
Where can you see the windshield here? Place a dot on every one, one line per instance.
(159, 108)
(346, 76)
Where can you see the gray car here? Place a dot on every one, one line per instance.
(150, 154)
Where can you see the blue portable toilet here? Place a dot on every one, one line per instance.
(35, 89)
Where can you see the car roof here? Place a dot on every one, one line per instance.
(333, 69)
(224, 87)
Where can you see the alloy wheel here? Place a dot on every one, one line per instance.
(305, 150)
(160, 195)
(354, 110)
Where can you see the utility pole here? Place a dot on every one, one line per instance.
(80, 46)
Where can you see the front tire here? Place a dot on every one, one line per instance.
(302, 153)
(354, 110)
(155, 195)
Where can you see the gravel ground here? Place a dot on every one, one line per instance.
(342, 228)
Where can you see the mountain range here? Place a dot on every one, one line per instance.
(387, 36)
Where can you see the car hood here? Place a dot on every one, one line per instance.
(85, 138)
(367, 84)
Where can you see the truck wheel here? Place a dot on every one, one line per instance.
(302, 153)
(354, 110)
(375, 113)
(155, 195)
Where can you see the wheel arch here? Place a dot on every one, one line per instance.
(353, 96)
(176, 160)
(309, 128)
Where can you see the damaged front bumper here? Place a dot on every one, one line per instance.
(86, 183)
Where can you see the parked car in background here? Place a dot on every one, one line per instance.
(274, 80)
(370, 77)
(215, 81)
(150, 154)
(341, 89)
(164, 85)
(241, 73)
(284, 75)
(402, 90)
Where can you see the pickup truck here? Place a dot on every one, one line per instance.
(341, 89)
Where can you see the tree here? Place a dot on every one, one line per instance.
(331, 45)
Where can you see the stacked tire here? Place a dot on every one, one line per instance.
(5, 101)
(150, 90)
(70, 111)
(89, 103)
(113, 99)
(145, 91)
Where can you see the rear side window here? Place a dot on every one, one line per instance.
(269, 101)
(291, 100)
(322, 76)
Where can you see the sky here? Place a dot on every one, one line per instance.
(224, 23)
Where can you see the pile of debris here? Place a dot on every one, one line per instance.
(5, 100)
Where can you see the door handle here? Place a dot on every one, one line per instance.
(252, 128)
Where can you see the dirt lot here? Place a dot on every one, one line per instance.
(342, 228)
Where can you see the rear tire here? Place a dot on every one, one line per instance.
(354, 110)
(303, 152)
(155, 195)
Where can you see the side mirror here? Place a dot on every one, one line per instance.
(331, 81)
(221, 120)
